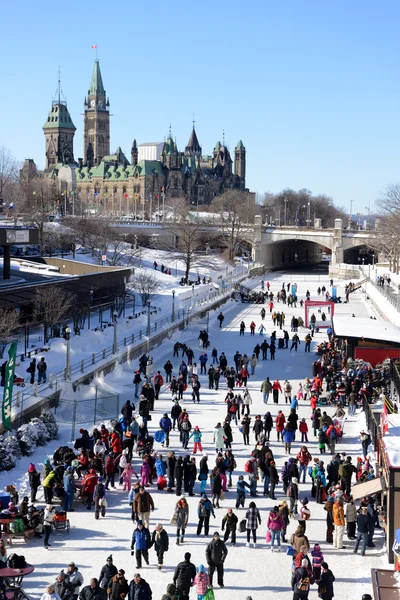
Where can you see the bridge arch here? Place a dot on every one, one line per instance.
(289, 253)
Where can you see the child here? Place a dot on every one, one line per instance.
(305, 513)
(317, 560)
(196, 434)
(303, 428)
(201, 582)
(300, 394)
(145, 472)
(127, 476)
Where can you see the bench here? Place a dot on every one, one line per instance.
(21, 535)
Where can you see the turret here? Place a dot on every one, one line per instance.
(240, 160)
(134, 154)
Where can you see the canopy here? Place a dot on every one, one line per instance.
(373, 486)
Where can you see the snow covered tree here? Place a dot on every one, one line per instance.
(42, 434)
(28, 438)
(50, 422)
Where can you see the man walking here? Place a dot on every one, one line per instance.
(216, 553)
(266, 389)
(362, 531)
(141, 539)
(184, 575)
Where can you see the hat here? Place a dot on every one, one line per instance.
(182, 497)
(109, 558)
(295, 480)
(215, 534)
(31, 468)
(121, 571)
(139, 523)
(304, 562)
(100, 480)
(201, 569)
(317, 547)
(304, 501)
(81, 431)
(71, 564)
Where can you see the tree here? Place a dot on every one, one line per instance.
(145, 284)
(9, 322)
(39, 202)
(186, 231)
(8, 171)
(236, 210)
(53, 305)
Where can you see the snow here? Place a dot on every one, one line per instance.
(91, 541)
(391, 440)
(366, 328)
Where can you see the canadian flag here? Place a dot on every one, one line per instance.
(94, 47)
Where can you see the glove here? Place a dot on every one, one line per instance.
(214, 516)
(132, 553)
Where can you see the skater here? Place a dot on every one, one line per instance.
(204, 511)
(180, 519)
(229, 523)
(140, 539)
(99, 497)
(220, 318)
(160, 541)
(216, 553)
(196, 434)
(241, 491)
(253, 520)
(275, 524)
(184, 575)
(201, 582)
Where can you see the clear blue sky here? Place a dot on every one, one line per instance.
(311, 87)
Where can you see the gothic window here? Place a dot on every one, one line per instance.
(88, 190)
(124, 189)
(115, 189)
(106, 190)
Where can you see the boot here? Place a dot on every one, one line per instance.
(181, 539)
(169, 490)
(177, 541)
(159, 567)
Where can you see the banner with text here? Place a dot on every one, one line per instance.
(8, 385)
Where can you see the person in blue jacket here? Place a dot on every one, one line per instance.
(69, 488)
(241, 486)
(294, 404)
(160, 466)
(288, 437)
(142, 541)
(166, 426)
(203, 358)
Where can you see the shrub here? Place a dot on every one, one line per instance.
(51, 424)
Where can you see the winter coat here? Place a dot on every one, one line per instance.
(201, 582)
(275, 521)
(141, 539)
(89, 593)
(160, 468)
(216, 484)
(266, 387)
(219, 436)
(89, 483)
(253, 518)
(160, 543)
(362, 523)
(140, 591)
(181, 515)
(351, 512)
(184, 575)
(268, 423)
(280, 422)
(304, 457)
(68, 482)
(34, 479)
(106, 574)
(127, 473)
(338, 514)
(204, 508)
(230, 521)
(288, 436)
(216, 552)
(143, 502)
(196, 435)
(166, 424)
(297, 541)
(299, 574)
(118, 588)
(326, 585)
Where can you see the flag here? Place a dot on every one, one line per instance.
(126, 195)
(8, 385)
(94, 47)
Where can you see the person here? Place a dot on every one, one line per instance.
(325, 585)
(160, 541)
(253, 520)
(63, 587)
(266, 389)
(69, 489)
(170, 593)
(301, 581)
(219, 438)
(275, 524)
(365, 440)
(180, 518)
(140, 539)
(339, 523)
(317, 560)
(107, 573)
(220, 319)
(76, 578)
(229, 523)
(276, 388)
(362, 530)
(142, 505)
(139, 589)
(299, 539)
(48, 518)
(34, 481)
(50, 593)
(184, 575)
(216, 553)
(158, 383)
(204, 511)
(32, 370)
(201, 582)
(93, 591)
(118, 586)
(42, 371)
(241, 491)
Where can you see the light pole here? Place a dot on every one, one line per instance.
(193, 289)
(173, 306)
(285, 213)
(309, 214)
(148, 319)
(68, 357)
(115, 344)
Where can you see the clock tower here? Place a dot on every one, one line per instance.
(96, 127)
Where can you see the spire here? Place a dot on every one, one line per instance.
(193, 147)
(96, 85)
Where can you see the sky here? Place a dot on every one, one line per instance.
(311, 87)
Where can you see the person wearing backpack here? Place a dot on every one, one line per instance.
(325, 585)
(301, 581)
(331, 434)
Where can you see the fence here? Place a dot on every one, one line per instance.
(87, 412)
(385, 290)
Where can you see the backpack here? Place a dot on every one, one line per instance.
(304, 584)
(343, 470)
(16, 562)
(185, 425)
(290, 491)
(100, 491)
(248, 467)
(333, 434)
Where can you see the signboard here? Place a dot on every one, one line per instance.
(17, 236)
(8, 385)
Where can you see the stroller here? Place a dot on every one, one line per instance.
(145, 446)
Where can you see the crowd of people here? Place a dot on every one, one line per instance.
(122, 456)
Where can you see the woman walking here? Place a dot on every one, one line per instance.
(180, 519)
(275, 525)
(253, 520)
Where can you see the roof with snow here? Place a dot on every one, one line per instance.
(367, 329)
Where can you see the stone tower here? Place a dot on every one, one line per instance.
(240, 160)
(134, 154)
(193, 147)
(96, 120)
(59, 132)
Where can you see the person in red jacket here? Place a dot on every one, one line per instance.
(270, 306)
(304, 457)
(313, 402)
(105, 435)
(280, 424)
(116, 443)
(303, 428)
(88, 484)
(109, 470)
(158, 382)
(276, 388)
(244, 374)
(252, 328)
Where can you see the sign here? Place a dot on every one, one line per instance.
(17, 236)
(8, 385)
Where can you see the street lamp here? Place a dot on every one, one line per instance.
(148, 319)
(115, 344)
(68, 357)
(173, 306)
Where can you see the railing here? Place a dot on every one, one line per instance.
(385, 290)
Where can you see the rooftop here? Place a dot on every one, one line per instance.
(369, 329)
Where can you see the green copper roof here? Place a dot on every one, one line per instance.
(118, 156)
(59, 118)
(217, 147)
(239, 145)
(96, 85)
(170, 146)
(149, 167)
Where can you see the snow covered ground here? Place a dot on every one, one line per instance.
(248, 571)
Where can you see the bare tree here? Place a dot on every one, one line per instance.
(389, 200)
(186, 231)
(53, 305)
(146, 285)
(9, 322)
(39, 202)
(236, 211)
(8, 171)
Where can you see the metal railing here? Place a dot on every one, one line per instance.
(385, 290)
